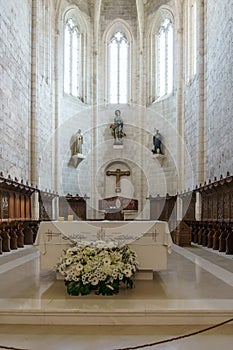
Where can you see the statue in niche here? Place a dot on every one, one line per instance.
(76, 143)
(157, 143)
(117, 128)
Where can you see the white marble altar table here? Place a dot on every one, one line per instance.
(151, 240)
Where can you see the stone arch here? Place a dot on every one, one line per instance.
(162, 13)
(121, 25)
(77, 16)
(109, 182)
(117, 24)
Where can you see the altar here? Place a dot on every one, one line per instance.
(150, 240)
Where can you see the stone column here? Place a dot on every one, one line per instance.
(34, 157)
(180, 112)
(55, 208)
(198, 206)
(35, 206)
(94, 102)
(140, 98)
(58, 67)
(201, 95)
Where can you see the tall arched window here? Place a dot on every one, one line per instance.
(118, 68)
(72, 59)
(164, 59)
(191, 39)
(44, 38)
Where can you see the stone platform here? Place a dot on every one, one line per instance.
(191, 291)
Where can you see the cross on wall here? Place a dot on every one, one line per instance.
(118, 173)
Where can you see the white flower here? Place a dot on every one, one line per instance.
(127, 266)
(91, 262)
(120, 277)
(114, 275)
(107, 260)
(69, 261)
(84, 279)
(128, 273)
(79, 267)
(94, 281)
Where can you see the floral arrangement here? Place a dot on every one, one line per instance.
(97, 266)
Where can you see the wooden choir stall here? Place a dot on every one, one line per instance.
(215, 227)
(16, 227)
(206, 217)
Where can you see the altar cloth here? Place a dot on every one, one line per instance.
(150, 240)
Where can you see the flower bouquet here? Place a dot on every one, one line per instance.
(97, 266)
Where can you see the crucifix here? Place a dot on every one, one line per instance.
(118, 173)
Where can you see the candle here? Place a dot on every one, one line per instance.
(61, 218)
(70, 217)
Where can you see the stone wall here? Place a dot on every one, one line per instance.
(219, 87)
(43, 116)
(15, 72)
(191, 115)
(216, 97)
(110, 12)
(148, 175)
(74, 114)
(37, 120)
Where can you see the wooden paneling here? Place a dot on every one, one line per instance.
(72, 205)
(11, 205)
(215, 229)
(22, 207)
(217, 200)
(15, 200)
(27, 207)
(113, 215)
(4, 204)
(162, 208)
(17, 206)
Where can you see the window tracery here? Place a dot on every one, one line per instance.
(72, 59)
(118, 68)
(164, 58)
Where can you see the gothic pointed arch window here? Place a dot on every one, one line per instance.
(118, 68)
(164, 58)
(44, 40)
(191, 40)
(74, 58)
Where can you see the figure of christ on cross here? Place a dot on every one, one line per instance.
(118, 173)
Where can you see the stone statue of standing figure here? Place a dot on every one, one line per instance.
(76, 143)
(117, 128)
(157, 143)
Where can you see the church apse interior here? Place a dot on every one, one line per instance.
(118, 111)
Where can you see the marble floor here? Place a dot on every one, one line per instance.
(195, 292)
